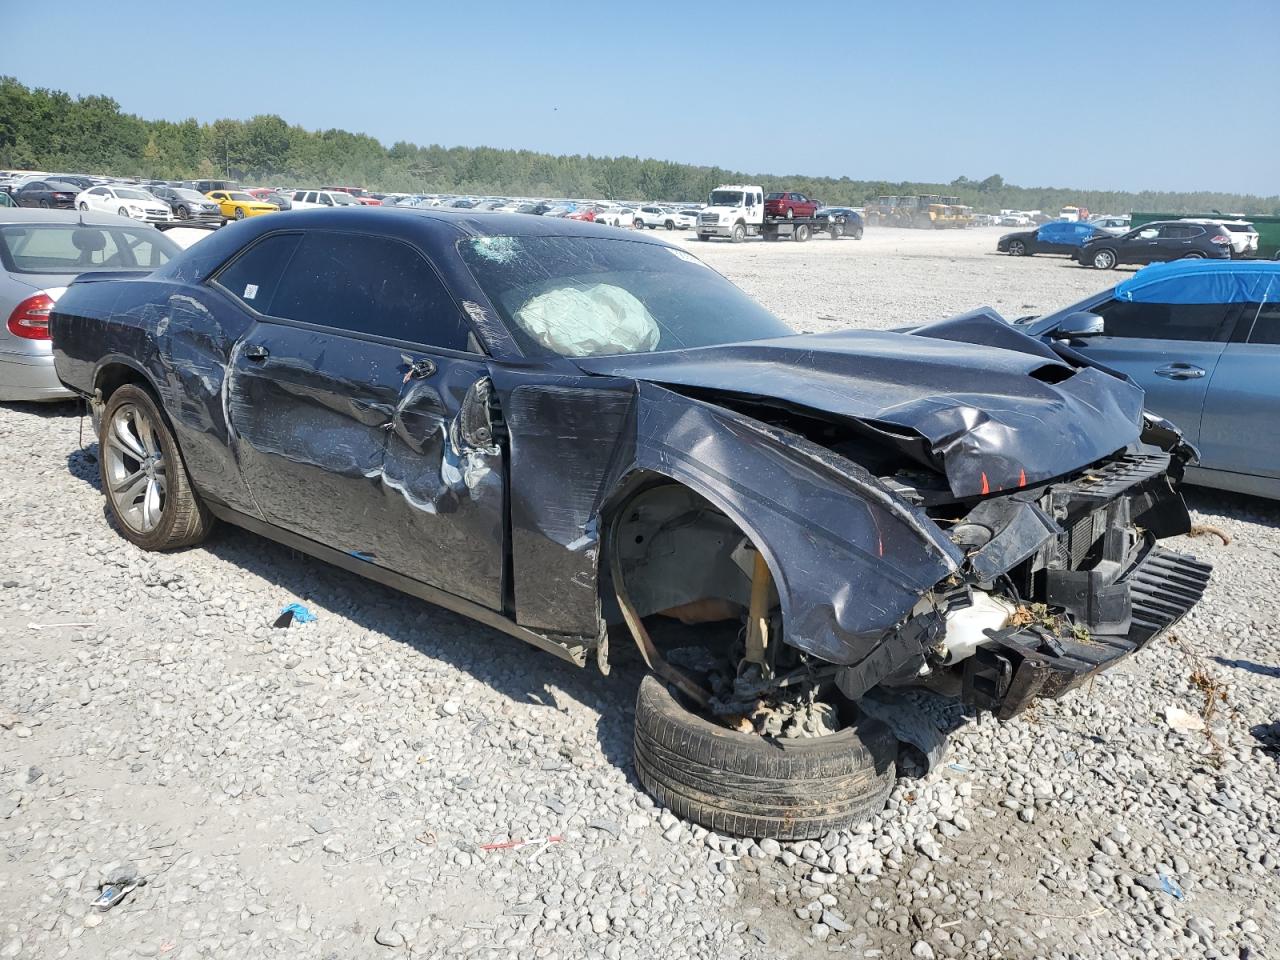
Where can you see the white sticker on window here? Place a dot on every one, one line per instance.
(250, 291)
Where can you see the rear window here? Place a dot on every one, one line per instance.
(68, 248)
(773, 196)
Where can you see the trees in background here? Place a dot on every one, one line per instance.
(51, 130)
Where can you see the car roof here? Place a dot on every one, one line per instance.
(12, 215)
(1204, 281)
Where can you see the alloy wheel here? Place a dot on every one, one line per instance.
(137, 478)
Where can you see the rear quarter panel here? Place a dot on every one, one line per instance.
(179, 338)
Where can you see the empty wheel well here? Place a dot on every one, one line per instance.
(113, 376)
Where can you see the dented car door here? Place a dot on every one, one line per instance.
(340, 411)
(443, 484)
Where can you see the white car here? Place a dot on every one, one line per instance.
(1112, 225)
(1243, 234)
(132, 202)
(654, 217)
(323, 199)
(685, 219)
(616, 216)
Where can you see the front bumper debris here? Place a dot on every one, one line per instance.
(1029, 662)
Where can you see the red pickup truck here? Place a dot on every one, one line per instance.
(789, 204)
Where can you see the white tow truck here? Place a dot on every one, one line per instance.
(737, 212)
(732, 211)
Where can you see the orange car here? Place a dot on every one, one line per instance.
(236, 204)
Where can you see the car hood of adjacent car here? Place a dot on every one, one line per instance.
(972, 397)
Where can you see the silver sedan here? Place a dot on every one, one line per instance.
(1202, 338)
(41, 251)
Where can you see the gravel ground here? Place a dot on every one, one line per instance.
(325, 790)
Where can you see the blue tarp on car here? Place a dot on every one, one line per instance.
(1204, 281)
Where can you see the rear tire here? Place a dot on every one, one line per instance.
(745, 785)
(183, 520)
(801, 233)
(791, 213)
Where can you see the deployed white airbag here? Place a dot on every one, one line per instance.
(595, 320)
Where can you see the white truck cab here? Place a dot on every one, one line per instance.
(734, 211)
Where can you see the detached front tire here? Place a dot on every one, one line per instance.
(143, 476)
(745, 785)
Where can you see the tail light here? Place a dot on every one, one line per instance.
(30, 318)
(1220, 239)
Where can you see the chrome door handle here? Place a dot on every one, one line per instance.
(1180, 371)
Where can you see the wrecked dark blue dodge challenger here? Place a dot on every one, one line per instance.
(582, 437)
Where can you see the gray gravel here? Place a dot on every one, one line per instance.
(326, 790)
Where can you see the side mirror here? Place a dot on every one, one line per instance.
(1077, 326)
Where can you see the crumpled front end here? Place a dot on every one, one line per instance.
(1059, 582)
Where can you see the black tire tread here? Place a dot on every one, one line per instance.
(750, 786)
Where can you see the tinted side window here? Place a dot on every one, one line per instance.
(254, 275)
(371, 285)
(1167, 321)
(1266, 328)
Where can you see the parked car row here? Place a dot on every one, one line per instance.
(1104, 244)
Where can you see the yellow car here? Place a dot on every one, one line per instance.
(236, 204)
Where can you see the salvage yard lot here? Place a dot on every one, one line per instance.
(328, 789)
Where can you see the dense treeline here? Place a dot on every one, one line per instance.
(51, 130)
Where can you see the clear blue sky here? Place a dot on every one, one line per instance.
(1124, 94)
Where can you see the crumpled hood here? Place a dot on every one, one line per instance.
(990, 407)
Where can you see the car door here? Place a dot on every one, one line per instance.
(343, 417)
(1140, 246)
(1175, 241)
(1048, 238)
(1170, 350)
(1240, 429)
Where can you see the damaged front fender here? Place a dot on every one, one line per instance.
(849, 558)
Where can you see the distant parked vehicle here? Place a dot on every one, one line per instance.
(613, 216)
(50, 194)
(321, 199)
(237, 205)
(186, 204)
(789, 204)
(586, 214)
(133, 202)
(267, 195)
(362, 196)
(1014, 220)
(41, 252)
(207, 186)
(1061, 236)
(84, 183)
(1244, 238)
(841, 222)
(1156, 242)
(1112, 225)
(1203, 342)
(654, 217)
